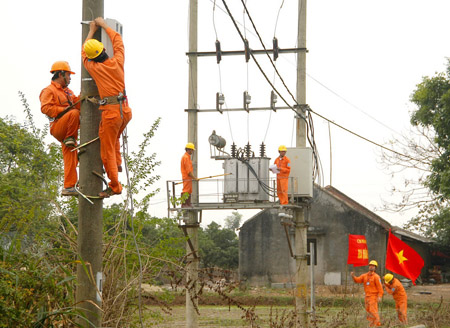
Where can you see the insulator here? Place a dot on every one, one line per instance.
(233, 150)
(220, 100)
(247, 100)
(275, 49)
(218, 52)
(262, 150)
(248, 150)
(273, 100)
(247, 51)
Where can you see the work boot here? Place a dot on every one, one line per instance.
(107, 193)
(70, 142)
(69, 192)
(119, 168)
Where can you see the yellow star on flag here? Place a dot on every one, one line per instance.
(400, 257)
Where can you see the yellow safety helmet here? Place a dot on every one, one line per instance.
(373, 262)
(93, 48)
(282, 148)
(388, 278)
(61, 66)
(190, 145)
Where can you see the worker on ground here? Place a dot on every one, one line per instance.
(395, 288)
(63, 111)
(283, 164)
(108, 74)
(187, 174)
(373, 292)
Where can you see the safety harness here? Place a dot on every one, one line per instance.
(111, 100)
(66, 110)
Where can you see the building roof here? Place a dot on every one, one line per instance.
(411, 235)
(356, 206)
(372, 216)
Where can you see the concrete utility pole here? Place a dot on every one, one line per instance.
(192, 215)
(90, 216)
(301, 227)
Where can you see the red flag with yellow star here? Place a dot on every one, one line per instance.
(402, 259)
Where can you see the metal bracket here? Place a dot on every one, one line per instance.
(184, 228)
(301, 225)
(83, 195)
(302, 257)
(288, 240)
(101, 177)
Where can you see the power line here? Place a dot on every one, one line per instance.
(309, 109)
(364, 138)
(354, 106)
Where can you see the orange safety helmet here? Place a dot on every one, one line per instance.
(93, 48)
(61, 66)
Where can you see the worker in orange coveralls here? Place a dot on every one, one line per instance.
(187, 173)
(373, 291)
(108, 74)
(63, 110)
(395, 288)
(283, 164)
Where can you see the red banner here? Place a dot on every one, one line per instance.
(402, 259)
(358, 255)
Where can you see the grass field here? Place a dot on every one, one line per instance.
(274, 308)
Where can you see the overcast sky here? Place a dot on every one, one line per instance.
(365, 59)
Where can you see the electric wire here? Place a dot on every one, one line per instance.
(278, 15)
(225, 12)
(130, 203)
(309, 109)
(299, 115)
(220, 71)
(274, 72)
(265, 49)
(364, 138)
(247, 88)
(257, 63)
(354, 106)
(214, 19)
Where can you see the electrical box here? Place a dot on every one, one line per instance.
(301, 180)
(116, 26)
(247, 180)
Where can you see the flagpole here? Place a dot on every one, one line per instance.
(346, 278)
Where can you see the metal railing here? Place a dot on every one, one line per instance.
(214, 194)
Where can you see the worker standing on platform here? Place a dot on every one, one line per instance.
(373, 292)
(187, 174)
(108, 74)
(63, 110)
(283, 164)
(395, 288)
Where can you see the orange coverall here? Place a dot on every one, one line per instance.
(396, 289)
(54, 99)
(284, 165)
(373, 290)
(186, 168)
(110, 79)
